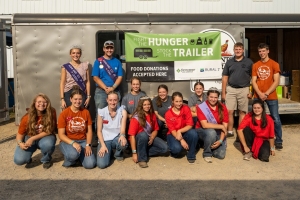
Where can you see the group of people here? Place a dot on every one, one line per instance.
(154, 127)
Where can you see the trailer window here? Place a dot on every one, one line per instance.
(118, 37)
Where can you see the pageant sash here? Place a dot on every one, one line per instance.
(109, 70)
(207, 112)
(147, 128)
(75, 75)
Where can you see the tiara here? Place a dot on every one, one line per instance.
(144, 98)
(213, 89)
(75, 47)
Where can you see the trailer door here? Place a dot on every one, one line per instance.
(4, 113)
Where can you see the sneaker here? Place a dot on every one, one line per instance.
(278, 146)
(29, 164)
(208, 159)
(247, 156)
(143, 164)
(47, 165)
(191, 161)
(230, 134)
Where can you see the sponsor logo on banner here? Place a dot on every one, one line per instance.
(185, 70)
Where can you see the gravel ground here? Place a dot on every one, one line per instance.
(166, 178)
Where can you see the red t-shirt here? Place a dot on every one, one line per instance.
(135, 127)
(201, 116)
(267, 132)
(24, 121)
(176, 122)
(264, 73)
(75, 124)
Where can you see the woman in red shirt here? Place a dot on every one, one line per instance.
(212, 126)
(256, 133)
(181, 135)
(143, 131)
(37, 131)
(75, 132)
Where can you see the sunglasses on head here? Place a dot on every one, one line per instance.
(109, 43)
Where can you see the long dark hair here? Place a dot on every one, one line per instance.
(140, 112)
(264, 122)
(159, 100)
(220, 107)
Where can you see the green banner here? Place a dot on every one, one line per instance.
(172, 47)
(168, 57)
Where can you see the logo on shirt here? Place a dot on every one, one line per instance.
(131, 102)
(263, 72)
(173, 119)
(76, 124)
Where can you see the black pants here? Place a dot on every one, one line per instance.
(264, 151)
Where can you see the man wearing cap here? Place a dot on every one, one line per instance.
(107, 74)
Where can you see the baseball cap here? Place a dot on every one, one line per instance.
(108, 43)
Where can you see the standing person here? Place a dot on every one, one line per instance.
(161, 104)
(181, 135)
(256, 133)
(37, 131)
(107, 74)
(111, 131)
(73, 73)
(75, 133)
(142, 133)
(265, 79)
(196, 98)
(236, 79)
(131, 100)
(212, 126)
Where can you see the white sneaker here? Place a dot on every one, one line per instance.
(247, 156)
(208, 159)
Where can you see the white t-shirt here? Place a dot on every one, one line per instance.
(110, 127)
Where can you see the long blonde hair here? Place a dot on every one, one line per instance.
(47, 117)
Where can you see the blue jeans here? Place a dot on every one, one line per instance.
(67, 96)
(100, 101)
(273, 108)
(191, 139)
(209, 136)
(45, 144)
(103, 162)
(71, 155)
(144, 150)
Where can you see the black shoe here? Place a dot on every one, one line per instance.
(278, 146)
(47, 165)
(29, 164)
(191, 161)
(230, 135)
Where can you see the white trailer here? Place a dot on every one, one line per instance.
(42, 41)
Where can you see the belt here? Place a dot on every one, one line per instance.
(237, 87)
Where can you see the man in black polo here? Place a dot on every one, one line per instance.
(236, 79)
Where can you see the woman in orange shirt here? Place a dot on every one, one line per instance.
(37, 131)
(75, 133)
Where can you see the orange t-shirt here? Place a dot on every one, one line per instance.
(75, 124)
(24, 121)
(264, 73)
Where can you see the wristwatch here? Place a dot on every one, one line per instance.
(88, 145)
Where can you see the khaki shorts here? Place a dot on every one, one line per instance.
(236, 98)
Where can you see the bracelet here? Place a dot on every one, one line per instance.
(19, 142)
(133, 151)
(89, 96)
(220, 140)
(114, 86)
(122, 134)
(72, 142)
(272, 149)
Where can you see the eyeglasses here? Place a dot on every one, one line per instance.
(109, 47)
(41, 102)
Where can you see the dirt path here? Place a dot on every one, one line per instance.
(166, 178)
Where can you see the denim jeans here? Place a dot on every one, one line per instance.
(191, 139)
(71, 155)
(144, 150)
(103, 162)
(209, 136)
(67, 96)
(100, 101)
(273, 108)
(45, 144)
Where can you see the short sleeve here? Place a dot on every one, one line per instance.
(23, 125)
(245, 122)
(190, 101)
(133, 127)
(120, 69)
(61, 121)
(96, 70)
(226, 69)
(154, 103)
